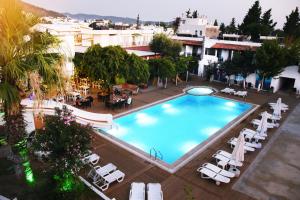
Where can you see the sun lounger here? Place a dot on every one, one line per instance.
(92, 158)
(137, 191)
(272, 117)
(105, 181)
(232, 143)
(249, 135)
(154, 191)
(228, 90)
(228, 160)
(241, 93)
(256, 122)
(218, 170)
(254, 145)
(209, 174)
(247, 130)
(97, 172)
(283, 105)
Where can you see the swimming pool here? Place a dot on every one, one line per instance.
(177, 126)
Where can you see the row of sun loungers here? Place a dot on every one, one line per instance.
(225, 159)
(103, 176)
(137, 191)
(232, 91)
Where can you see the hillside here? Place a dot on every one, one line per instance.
(41, 12)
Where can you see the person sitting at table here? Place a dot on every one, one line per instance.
(78, 101)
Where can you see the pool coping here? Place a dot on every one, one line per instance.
(187, 157)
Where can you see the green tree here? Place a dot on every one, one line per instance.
(105, 64)
(181, 66)
(195, 14)
(231, 28)
(291, 27)
(65, 142)
(165, 46)
(23, 51)
(269, 60)
(138, 70)
(251, 23)
(216, 23)
(176, 24)
(267, 24)
(162, 68)
(222, 29)
(188, 13)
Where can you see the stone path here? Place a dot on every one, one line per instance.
(275, 173)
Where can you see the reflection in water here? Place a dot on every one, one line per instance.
(144, 119)
(187, 146)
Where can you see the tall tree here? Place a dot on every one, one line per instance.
(222, 28)
(162, 68)
(188, 13)
(105, 64)
(138, 69)
(251, 23)
(231, 28)
(195, 14)
(165, 46)
(138, 22)
(23, 51)
(270, 60)
(215, 23)
(176, 23)
(291, 27)
(267, 24)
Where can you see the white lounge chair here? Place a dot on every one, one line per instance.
(97, 172)
(137, 191)
(92, 158)
(225, 90)
(218, 170)
(154, 191)
(105, 181)
(247, 146)
(220, 157)
(241, 93)
(247, 130)
(209, 174)
(249, 135)
(256, 122)
(283, 105)
(272, 117)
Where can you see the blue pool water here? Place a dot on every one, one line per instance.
(177, 126)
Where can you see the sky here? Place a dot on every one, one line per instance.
(168, 10)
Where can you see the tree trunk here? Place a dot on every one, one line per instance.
(166, 83)
(176, 80)
(187, 76)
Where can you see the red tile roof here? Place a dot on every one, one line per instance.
(234, 47)
(190, 42)
(139, 48)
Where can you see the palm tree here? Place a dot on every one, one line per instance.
(24, 55)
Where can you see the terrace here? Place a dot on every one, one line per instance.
(175, 185)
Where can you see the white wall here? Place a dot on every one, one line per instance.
(289, 72)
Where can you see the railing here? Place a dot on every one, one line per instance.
(154, 153)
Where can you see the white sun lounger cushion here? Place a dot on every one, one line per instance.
(229, 161)
(232, 142)
(154, 191)
(247, 130)
(249, 144)
(252, 135)
(137, 191)
(93, 159)
(110, 178)
(213, 175)
(218, 170)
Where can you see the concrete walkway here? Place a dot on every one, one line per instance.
(275, 173)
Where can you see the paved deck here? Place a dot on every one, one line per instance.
(275, 173)
(175, 185)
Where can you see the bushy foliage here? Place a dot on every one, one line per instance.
(165, 46)
(65, 140)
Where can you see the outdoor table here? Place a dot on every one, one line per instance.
(84, 89)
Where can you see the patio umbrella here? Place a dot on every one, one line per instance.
(262, 127)
(277, 110)
(238, 151)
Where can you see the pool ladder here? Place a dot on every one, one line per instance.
(154, 153)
